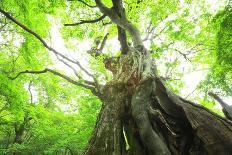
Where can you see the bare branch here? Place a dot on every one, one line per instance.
(75, 72)
(103, 42)
(87, 21)
(29, 89)
(157, 34)
(149, 31)
(91, 6)
(189, 94)
(183, 54)
(194, 47)
(96, 50)
(169, 78)
(30, 72)
(3, 25)
(122, 21)
(105, 24)
(55, 73)
(44, 43)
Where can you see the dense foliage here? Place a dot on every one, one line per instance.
(46, 114)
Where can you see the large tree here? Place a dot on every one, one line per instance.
(139, 113)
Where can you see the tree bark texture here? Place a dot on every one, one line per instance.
(141, 116)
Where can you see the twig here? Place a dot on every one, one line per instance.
(75, 72)
(91, 6)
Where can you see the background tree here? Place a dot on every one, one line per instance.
(44, 108)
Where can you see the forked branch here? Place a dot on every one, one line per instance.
(121, 21)
(87, 21)
(75, 72)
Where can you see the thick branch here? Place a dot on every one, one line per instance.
(123, 40)
(227, 110)
(96, 51)
(121, 32)
(103, 42)
(122, 22)
(30, 72)
(87, 21)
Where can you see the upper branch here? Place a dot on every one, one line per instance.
(30, 72)
(91, 6)
(29, 89)
(87, 21)
(75, 72)
(55, 73)
(44, 43)
(123, 40)
(103, 43)
(117, 5)
(121, 21)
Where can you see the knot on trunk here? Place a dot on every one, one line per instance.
(134, 67)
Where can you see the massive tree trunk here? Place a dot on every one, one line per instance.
(141, 116)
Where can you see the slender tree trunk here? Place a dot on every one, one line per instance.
(20, 131)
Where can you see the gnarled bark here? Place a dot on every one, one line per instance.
(139, 111)
(141, 116)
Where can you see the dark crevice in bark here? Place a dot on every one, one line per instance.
(107, 138)
(165, 102)
(153, 143)
(205, 125)
(117, 6)
(154, 119)
(150, 130)
(177, 133)
(123, 40)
